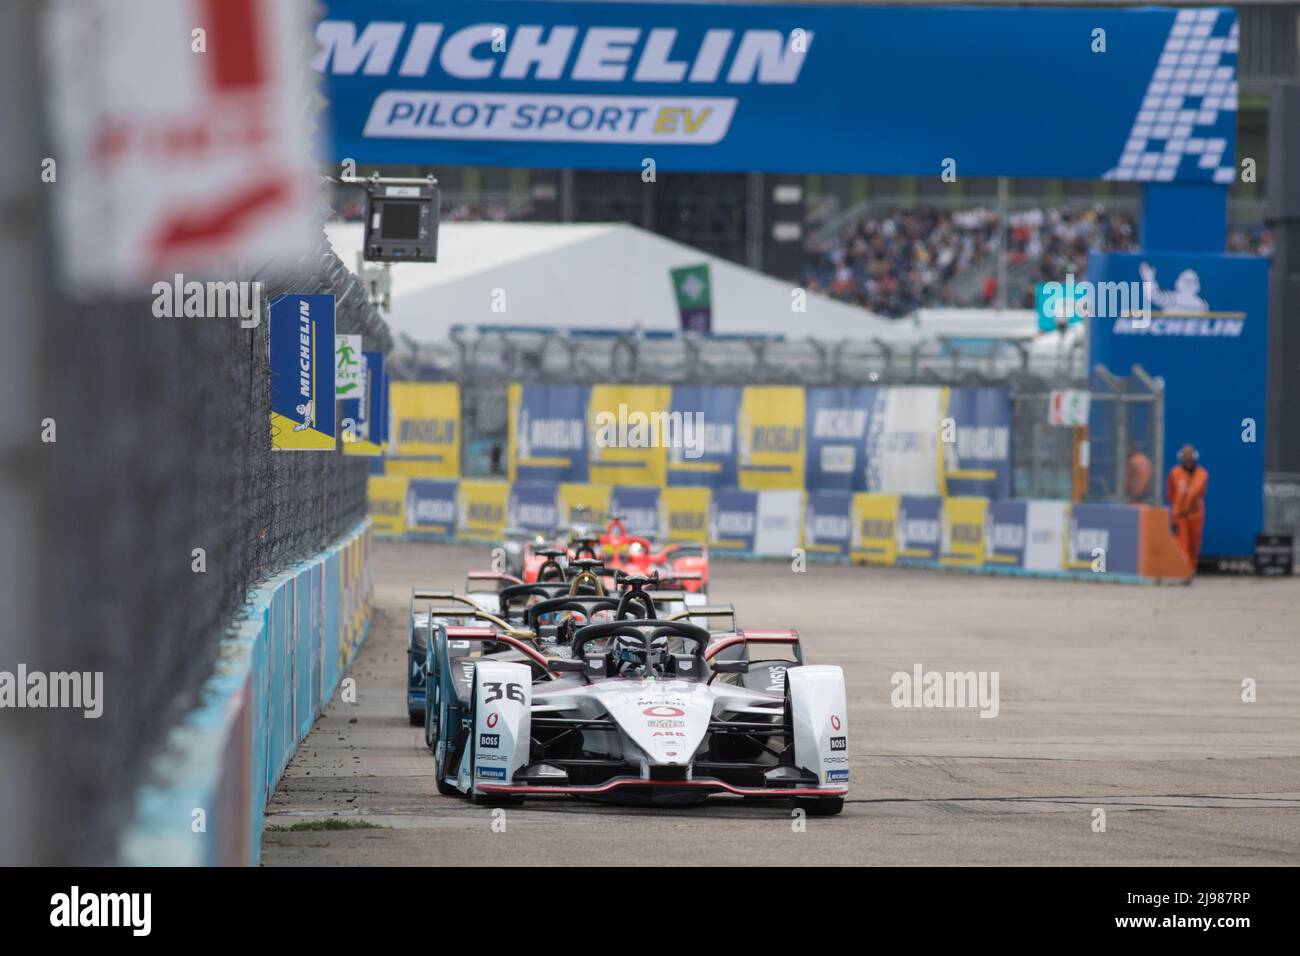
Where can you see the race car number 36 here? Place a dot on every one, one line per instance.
(513, 692)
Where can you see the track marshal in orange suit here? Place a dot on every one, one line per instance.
(1185, 490)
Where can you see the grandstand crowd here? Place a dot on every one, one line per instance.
(898, 260)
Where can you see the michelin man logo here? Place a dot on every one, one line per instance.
(1183, 297)
(308, 418)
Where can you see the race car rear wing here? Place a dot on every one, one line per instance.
(438, 594)
(668, 575)
(488, 634)
(495, 577)
(757, 636)
(710, 612)
(465, 607)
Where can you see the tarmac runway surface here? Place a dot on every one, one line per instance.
(1122, 699)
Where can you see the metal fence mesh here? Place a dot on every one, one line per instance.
(162, 447)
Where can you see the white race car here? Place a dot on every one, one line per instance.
(639, 710)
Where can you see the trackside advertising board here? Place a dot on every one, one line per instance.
(301, 342)
(425, 426)
(1207, 337)
(369, 415)
(762, 88)
(910, 440)
(929, 440)
(1053, 538)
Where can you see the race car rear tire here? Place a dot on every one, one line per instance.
(820, 806)
(416, 717)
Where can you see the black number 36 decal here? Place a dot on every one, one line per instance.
(513, 692)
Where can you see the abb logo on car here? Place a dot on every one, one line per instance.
(182, 136)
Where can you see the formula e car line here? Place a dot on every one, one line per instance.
(632, 694)
(527, 555)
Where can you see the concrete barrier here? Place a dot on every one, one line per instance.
(205, 801)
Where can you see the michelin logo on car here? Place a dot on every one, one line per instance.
(491, 52)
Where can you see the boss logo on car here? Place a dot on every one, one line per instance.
(490, 741)
(839, 743)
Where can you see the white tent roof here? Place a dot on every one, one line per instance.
(590, 276)
(977, 323)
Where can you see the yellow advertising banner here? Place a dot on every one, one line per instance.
(686, 513)
(426, 426)
(583, 503)
(387, 495)
(961, 532)
(483, 510)
(770, 437)
(630, 431)
(875, 528)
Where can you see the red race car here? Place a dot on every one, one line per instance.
(684, 564)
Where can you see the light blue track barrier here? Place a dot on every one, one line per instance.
(283, 659)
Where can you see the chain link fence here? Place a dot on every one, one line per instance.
(162, 429)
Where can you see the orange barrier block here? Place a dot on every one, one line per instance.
(1159, 556)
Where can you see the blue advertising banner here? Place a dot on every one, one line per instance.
(721, 87)
(370, 423)
(301, 342)
(376, 399)
(733, 520)
(1206, 334)
(548, 437)
(639, 508)
(385, 418)
(828, 522)
(431, 506)
(918, 528)
(1005, 532)
(1103, 532)
(978, 461)
(718, 466)
(532, 507)
(836, 422)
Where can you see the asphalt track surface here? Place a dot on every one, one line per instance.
(1115, 697)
